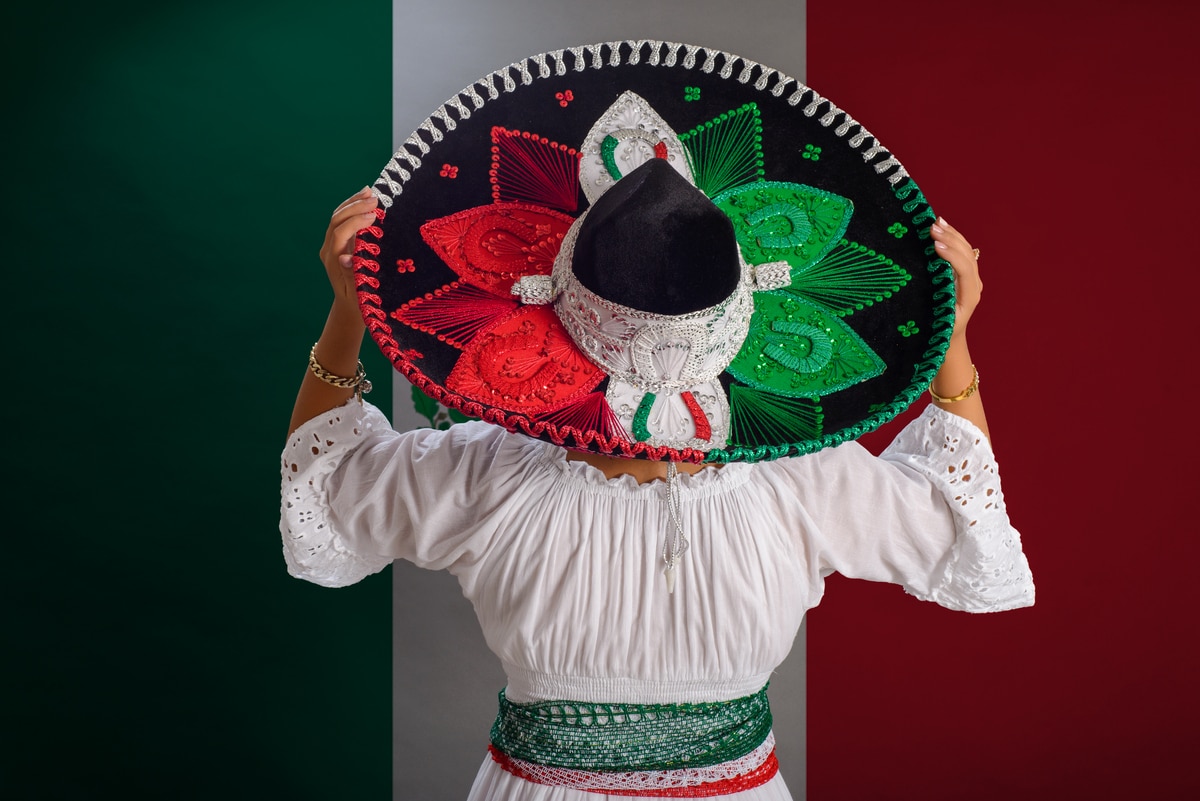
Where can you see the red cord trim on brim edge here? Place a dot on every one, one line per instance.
(747, 781)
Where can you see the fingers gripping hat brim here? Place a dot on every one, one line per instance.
(485, 192)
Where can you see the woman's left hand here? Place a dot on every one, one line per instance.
(954, 248)
(958, 370)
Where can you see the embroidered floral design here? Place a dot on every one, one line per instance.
(520, 358)
(776, 221)
(405, 266)
(449, 171)
(564, 98)
(626, 136)
(532, 169)
(727, 151)
(800, 350)
(691, 93)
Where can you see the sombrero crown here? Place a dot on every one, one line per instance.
(758, 285)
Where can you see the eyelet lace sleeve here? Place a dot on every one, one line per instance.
(311, 547)
(987, 570)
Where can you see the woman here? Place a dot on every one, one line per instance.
(639, 613)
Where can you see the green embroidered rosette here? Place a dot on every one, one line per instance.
(481, 197)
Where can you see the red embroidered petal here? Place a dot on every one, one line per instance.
(492, 246)
(455, 313)
(532, 169)
(445, 236)
(591, 413)
(520, 364)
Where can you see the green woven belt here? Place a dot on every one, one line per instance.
(631, 737)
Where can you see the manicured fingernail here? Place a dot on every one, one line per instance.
(941, 245)
(939, 229)
(942, 220)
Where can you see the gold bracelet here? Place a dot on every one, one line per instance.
(358, 382)
(966, 393)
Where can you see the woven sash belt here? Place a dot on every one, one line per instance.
(665, 750)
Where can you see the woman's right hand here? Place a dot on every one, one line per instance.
(337, 349)
(353, 215)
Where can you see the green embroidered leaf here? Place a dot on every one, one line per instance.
(778, 221)
(726, 151)
(849, 278)
(424, 405)
(762, 418)
(800, 350)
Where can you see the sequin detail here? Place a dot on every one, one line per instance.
(525, 362)
(640, 432)
(797, 349)
(779, 221)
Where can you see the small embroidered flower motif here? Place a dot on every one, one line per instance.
(405, 266)
(564, 97)
(691, 93)
(908, 329)
(449, 171)
(811, 152)
(897, 230)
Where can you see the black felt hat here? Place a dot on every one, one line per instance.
(655, 250)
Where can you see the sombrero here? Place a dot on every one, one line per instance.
(655, 250)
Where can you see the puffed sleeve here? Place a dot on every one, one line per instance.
(356, 494)
(927, 514)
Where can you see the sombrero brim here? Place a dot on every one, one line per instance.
(870, 301)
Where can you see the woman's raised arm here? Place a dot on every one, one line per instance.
(957, 380)
(338, 347)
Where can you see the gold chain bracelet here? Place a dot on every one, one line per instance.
(357, 382)
(966, 393)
